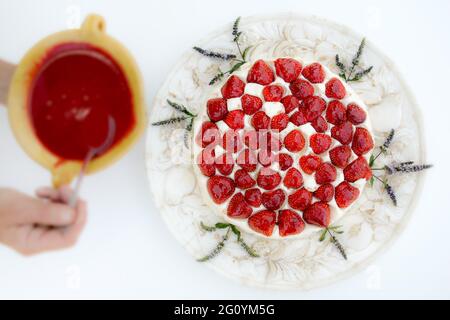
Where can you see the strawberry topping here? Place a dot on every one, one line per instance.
(253, 197)
(355, 114)
(250, 104)
(260, 120)
(243, 180)
(290, 103)
(345, 194)
(313, 107)
(273, 93)
(326, 173)
(205, 162)
(220, 188)
(263, 222)
(320, 142)
(235, 119)
(293, 179)
(334, 89)
(273, 200)
(300, 199)
(310, 163)
(324, 193)
(247, 160)
(225, 164)
(290, 223)
(288, 69)
(336, 112)
(320, 124)
(233, 88)
(298, 118)
(318, 214)
(261, 73)
(231, 141)
(301, 89)
(268, 179)
(294, 141)
(340, 156)
(285, 161)
(208, 134)
(314, 73)
(358, 169)
(362, 141)
(217, 109)
(238, 208)
(343, 132)
(280, 122)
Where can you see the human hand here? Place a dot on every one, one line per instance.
(33, 225)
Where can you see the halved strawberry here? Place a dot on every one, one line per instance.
(293, 179)
(217, 109)
(319, 142)
(250, 104)
(285, 161)
(314, 73)
(301, 89)
(220, 188)
(261, 73)
(334, 89)
(209, 133)
(225, 164)
(336, 112)
(290, 223)
(279, 122)
(355, 114)
(288, 69)
(238, 208)
(362, 141)
(345, 194)
(243, 180)
(273, 200)
(298, 118)
(247, 160)
(251, 139)
(233, 88)
(324, 193)
(235, 119)
(265, 157)
(312, 107)
(320, 124)
(343, 132)
(263, 222)
(273, 93)
(269, 141)
(294, 141)
(231, 141)
(268, 179)
(340, 156)
(260, 120)
(326, 173)
(253, 197)
(318, 214)
(310, 163)
(300, 199)
(358, 169)
(290, 103)
(205, 162)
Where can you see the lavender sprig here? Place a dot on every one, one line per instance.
(332, 230)
(348, 73)
(215, 55)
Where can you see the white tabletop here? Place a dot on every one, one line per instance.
(126, 250)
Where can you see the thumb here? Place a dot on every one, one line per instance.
(49, 213)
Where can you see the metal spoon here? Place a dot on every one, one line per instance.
(90, 155)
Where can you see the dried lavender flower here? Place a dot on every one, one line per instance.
(391, 193)
(214, 54)
(388, 141)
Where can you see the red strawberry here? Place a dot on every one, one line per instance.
(320, 124)
(243, 180)
(318, 214)
(238, 208)
(334, 89)
(294, 141)
(300, 199)
(289, 223)
(261, 73)
(217, 109)
(235, 119)
(225, 164)
(336, 112)
(233, 88)
(314, 73)
(355, 114)
(266, 158)
(205, 162)
(320, 142)
(340, 156)
(273, 93)
(272, 142)
(345, 194)
(290, 103)
(263, 222)
(208, 134)
(326, 173)
(310, 163)
(358, 169)
(220, 188)
(298, 118)
(247, 160)
(301, 89)
(279, 122)
(260, 120)
(285, 161)
(268, 179)
(273, 200)
(250, 104)
(253, 197)
(231, 141)
(288, 69)
(313, 107)
(362, 141)
(251, 139)
(324, 193)
(343, 132)
(293, 179)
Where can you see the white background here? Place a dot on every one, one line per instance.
(126, 250)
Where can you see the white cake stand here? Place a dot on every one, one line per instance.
(370, 226)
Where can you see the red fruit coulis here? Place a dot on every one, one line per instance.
(74, 91)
